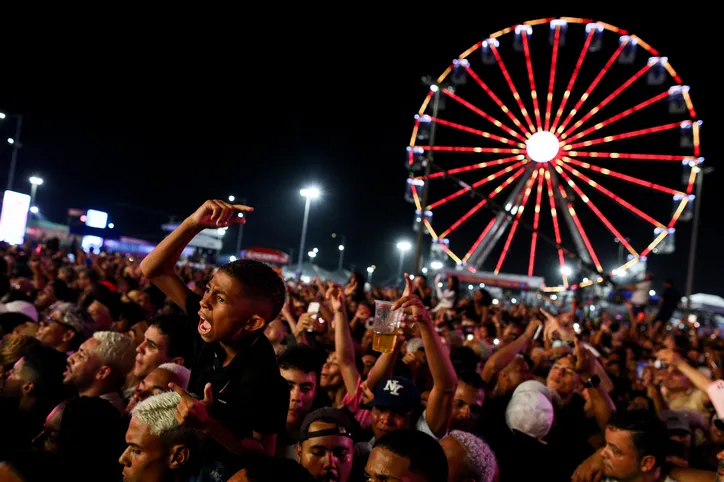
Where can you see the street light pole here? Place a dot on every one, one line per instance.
(370, 271)
(14, 155)
(403, 246)
(341, 248)
(240, 233)
(307, 206)
(308, 194)
(694, 235)
(426, 187)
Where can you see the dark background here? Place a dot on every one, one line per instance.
(147, 118)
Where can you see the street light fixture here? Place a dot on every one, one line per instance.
(404, 247)
(370, 270)
(35, 181)
(232, 199)
(308, 193)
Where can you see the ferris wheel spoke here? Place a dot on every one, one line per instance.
(611, 195)
(608, 99)
(593, 85)
(619, 116)
(625, 135)
(536, 219)
(625, 177)
(467, 188)
(482, 203)
(479, 240)
(592, 206)
(477, 132)
(480, 165)
(579, 228)
(556, 227)
(531, 79)
(514, 226)
(621, 155)
(497, 100)
(552, 78)
(511, 85)
(577, 69)
(494, 150)
(484, 115)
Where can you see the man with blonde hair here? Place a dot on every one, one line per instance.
(159, 448)
(100, 366)
(468, 458)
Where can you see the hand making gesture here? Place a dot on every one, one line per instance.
(218, 214)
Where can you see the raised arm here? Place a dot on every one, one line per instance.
(344, 346)
(440, 404)
(160, 266)
(505, 355)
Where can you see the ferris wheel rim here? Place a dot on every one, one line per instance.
(565, 164)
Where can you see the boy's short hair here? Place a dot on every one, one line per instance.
(427, 458)
(259, 281)
(300, 357)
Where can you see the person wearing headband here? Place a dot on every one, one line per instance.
(326, 447)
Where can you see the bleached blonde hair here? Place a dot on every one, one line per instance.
(116, 351)
(478, 457)
(158, 413)
(181, 374)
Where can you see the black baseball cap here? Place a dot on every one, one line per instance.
(396, 393)
(338, 417)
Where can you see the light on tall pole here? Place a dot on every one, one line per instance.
(15, 142)
(35, 181)
(341, 253)
(404, 247)
(240, 232)
(370, 270)
(308, 193)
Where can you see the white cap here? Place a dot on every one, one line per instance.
(530, 413)
(533, 386)
(23, 307)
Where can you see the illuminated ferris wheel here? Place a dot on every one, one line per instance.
(556, 138)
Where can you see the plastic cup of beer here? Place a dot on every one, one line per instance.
(387, 322)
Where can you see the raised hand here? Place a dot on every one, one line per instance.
(408, 286)
(336, 298)
(217, 214)
(413, 306)
(190, 411)
(584, 360)
(351, 288)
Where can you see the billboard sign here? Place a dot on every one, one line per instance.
(14, 217)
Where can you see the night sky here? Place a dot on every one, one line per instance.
(147, 121)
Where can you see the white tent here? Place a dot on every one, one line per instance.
(706, 302)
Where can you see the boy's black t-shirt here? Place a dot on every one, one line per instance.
(250, 395)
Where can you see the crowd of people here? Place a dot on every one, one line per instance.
(115, 368)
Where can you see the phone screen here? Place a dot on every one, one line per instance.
(640, 367)
(313, 308)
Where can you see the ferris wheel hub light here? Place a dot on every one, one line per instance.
(542, 146)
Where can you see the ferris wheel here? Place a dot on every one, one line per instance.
(563, 139)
